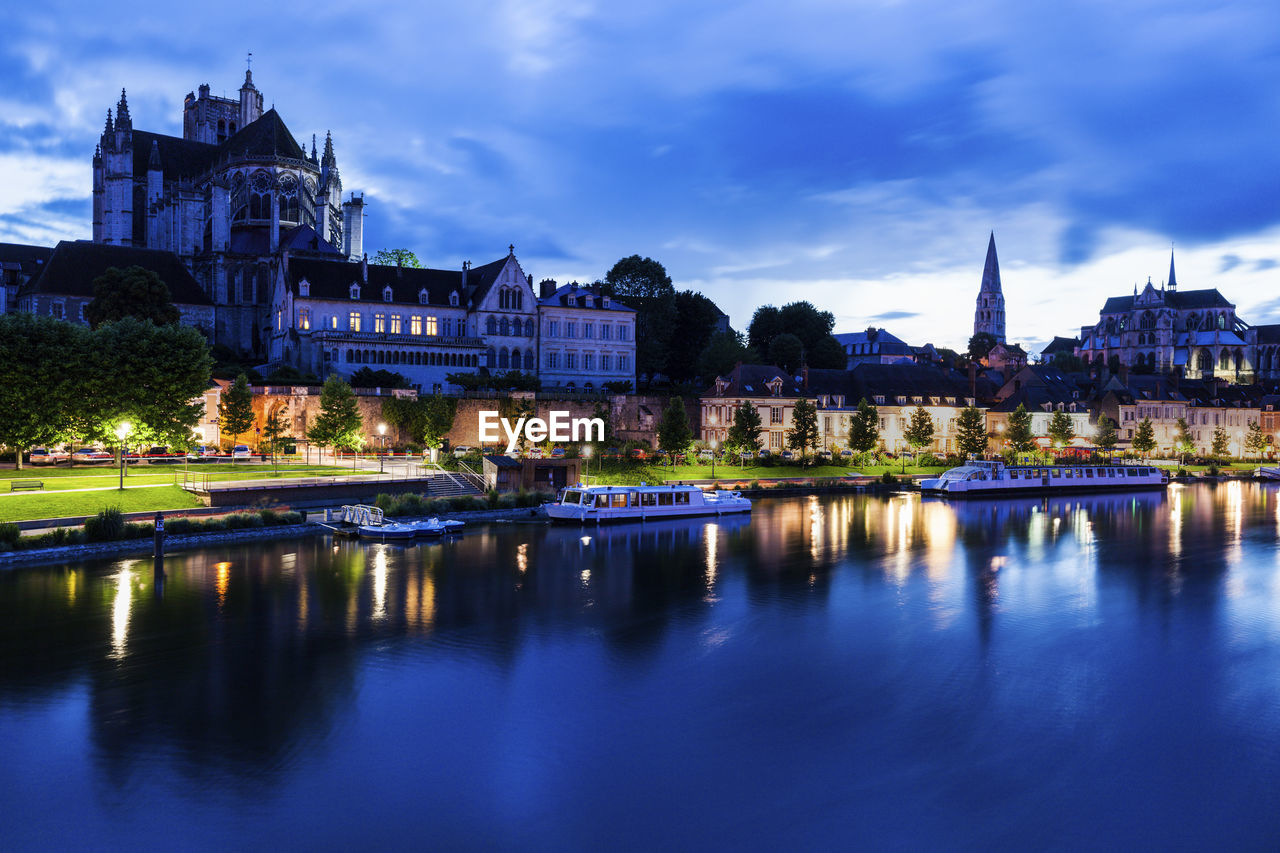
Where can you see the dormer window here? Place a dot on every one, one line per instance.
(304, 288)
(604, 302)
(879, 398)
(386, 293)
(453, 298)
(422, 296)
(902, 400)
(354, 291)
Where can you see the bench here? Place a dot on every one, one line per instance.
(20, 485)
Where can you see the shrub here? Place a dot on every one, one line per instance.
(182, 526)
(243, 520)
(270, 517)
(928, 460)
(384, 502)
(10, 534)
(888, 479)
(139, 530)
(492, 497)
(106, 526)
(755, 484)
(291, 516)
(1213, 469)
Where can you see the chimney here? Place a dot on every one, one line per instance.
(364, 269)
(466, 265)
(546, 288)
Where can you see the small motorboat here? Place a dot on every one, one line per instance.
(387, 531)
(436, 527)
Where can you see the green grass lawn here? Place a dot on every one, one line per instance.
(629, 474)
(88, 477)
(61, 505)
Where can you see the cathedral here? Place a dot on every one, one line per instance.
(228, 197)
(988, 317)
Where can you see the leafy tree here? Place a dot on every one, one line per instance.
(864, 427)
(745, 432)
(426, 419)
(603, 412)
(1107, 436)
(41, 384)
(131, 292)
(804, 427)
(971, 432)
(674, 433)
(274, 428)
(1060, 429)
(787, 352)
(287, 374)
(338, 423)
(1221, 443)
(1144, 438)
(1256, 440)
(617, 386)
(235, 409)
(721, 354)
(919, 432)
(511, 380)
(800, 319)
(1182, 441)
(1019, 435)
(696, 317)
(980, 344)
(639, 277)
(766, 324)
(397, 258)
(367, 377)
(827, 353)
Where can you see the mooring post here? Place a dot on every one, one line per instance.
(158, 551)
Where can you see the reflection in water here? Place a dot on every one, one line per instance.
(213, 691)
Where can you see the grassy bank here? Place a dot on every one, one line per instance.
(66, 504)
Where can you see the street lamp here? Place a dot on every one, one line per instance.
(382, 434)
(586, 454)
(714, 445)
(121, 432)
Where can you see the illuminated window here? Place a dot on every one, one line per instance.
(333, 322)
(379, 323)
(415, 325)
(431, 326)
(395, 324)
(353, 321)
(304, 318)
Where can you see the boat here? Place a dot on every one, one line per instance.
(389, 530)
(1265, 473)
(636, 503)
(978, 478)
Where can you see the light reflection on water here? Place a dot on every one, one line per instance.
(888, 671)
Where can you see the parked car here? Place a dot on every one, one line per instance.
(240, 451)
(202, 451)
(746, 455)
(788, 455)
(160, 454)
(765, 453)
(824, 455)
(44, 456)
(91, 454)
(557, 453)
(846, 454)
(706, 455)
(639, 454)
(611, 453)
(462, 450)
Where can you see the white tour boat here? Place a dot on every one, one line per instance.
(979, 479)
(636, 503)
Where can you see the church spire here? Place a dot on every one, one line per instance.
(991, 270)
(122, 113)
(1173, 279)
(329, 159)
(111, 128)
(313, 149)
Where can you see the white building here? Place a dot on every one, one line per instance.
(587, 339)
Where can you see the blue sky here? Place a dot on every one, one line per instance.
(854, 154)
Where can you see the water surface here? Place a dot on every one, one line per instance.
(890, 673)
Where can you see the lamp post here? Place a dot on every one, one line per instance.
(382, 436)
(121, 432)
(714, 445)
(586, 454)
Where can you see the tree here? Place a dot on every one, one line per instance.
(397, 258)
(827, 353)
(800, 319)
(367, 377)
(971, 432)
(765, 325)
(696, 317)
(338, 423)
(1256, 440)
(804, 427)
(980, 344)
(41, 384)
(745, 432)
(131, 292)
(1220, 442)
(721, 354)
(919, 432)
(427, 419)
(1060, 429)
(639, 277)
(1019, 435)
(235, 409)
(1107, 436)
(1182, 441)
(786, 351)
(643, 284)
(274, 428)
(864, 427)
(674, 433)
(602, 411)
(1144, 438)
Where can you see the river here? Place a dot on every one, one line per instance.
(833, 672)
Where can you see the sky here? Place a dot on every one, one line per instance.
(854, 154)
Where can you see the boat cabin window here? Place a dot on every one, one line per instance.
(1088, 472)
(572, 498)
(682, 497)
(1057, 472)
(635, 499)
(665, 499)
(619, 499)
(602, 500)
(1133, 472)
(648, 499)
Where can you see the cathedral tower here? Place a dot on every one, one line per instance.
(989, 315)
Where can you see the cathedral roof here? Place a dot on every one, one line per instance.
(991, 270)
(1181, 299)
(1268, 334)
(303, 238)
(74, 264)
(265, 138)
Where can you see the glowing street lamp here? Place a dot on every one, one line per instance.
(586, 454)
(121, 432)
(382, 434)
(714, 444)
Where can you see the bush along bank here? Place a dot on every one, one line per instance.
(109, 526)
(410, 505)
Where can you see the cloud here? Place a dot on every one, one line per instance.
(1229, 262)
(1264, 264)
(895, 315)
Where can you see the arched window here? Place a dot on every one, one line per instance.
(453, 298)
(528, 328)
(289, 206)
(491, 357)
(386, 293)
(1239, 359)
(1224, 359)
(351, 357)
(1192, 322)
(515, 359)
(1148, 320)
(260, 196)
(519, 294)
(491, 326)
(422, 296)
(528, 360)
(506, 326)
(504, 359)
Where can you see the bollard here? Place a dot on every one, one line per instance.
(158, 551)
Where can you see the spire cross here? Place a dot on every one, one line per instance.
(249, 60)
